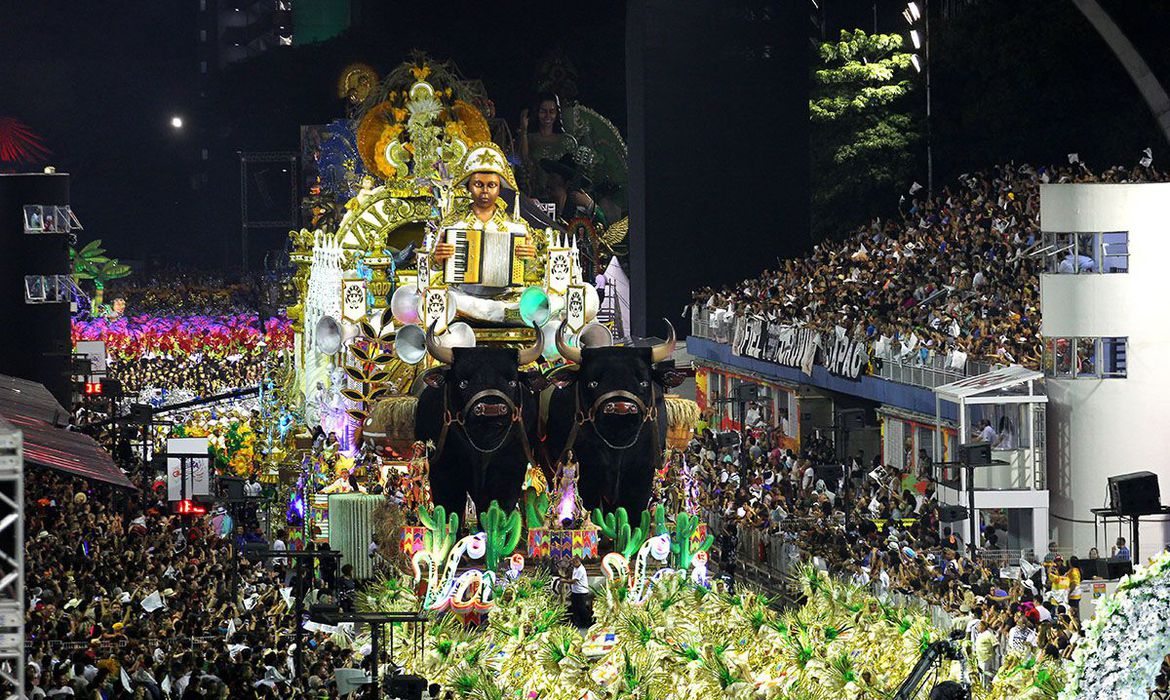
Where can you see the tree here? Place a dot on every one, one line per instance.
(863, 129)
(91, 263)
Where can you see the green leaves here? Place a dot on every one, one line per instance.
(92, 263)
(864, 128)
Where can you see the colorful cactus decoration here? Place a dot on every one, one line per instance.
(616, 526)
(503, 534)
(442, 531)
(681, 552)
(535, 506)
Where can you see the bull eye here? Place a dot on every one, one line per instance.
(512, 383)
(463, 384)
(644, 383)
(593, 384)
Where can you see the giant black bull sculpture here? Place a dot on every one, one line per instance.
(479, 412)
(610, 411)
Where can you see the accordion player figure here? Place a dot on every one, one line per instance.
(486, 255)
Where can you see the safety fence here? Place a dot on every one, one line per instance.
(111, 646)
(771, 560)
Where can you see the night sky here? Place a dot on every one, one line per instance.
(101, 80)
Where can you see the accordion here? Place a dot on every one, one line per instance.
(485, 258)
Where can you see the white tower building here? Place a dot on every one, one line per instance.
(1105, 300)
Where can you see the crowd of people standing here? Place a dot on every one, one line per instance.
(958, 271)
(880, 528)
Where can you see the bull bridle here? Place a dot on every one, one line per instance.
(581, 417)
(457, 419)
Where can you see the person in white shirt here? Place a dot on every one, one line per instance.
(278, 545)
(579, 606)
(986, 433)
(975, 626)
(1021, 640)
(754, 418)
(808, 477)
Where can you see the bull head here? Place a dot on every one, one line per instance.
(447, 355)
(658, 353)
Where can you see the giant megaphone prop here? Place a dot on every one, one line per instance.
(410, 344)
(327, 335)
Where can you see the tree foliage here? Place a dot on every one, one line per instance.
(864, 128)
(91, 263)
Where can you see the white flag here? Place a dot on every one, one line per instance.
(231, 628)
(915, 187)
(286, 593)
(1074, 158)
(152, 602)
(126, 680)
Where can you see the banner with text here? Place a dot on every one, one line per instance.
(793, 346)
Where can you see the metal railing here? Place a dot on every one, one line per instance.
(928, 369)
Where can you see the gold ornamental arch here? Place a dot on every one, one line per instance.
(387, 217)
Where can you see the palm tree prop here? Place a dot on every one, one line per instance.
(92, 263)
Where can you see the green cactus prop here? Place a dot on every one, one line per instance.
(503, 534)
(660, 526)
(610, 523)
(535, 506)
(681, 552)
(442, 531)
(616, 526)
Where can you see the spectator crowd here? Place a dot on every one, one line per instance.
(128, 601)
(955, 272)
(880, 529)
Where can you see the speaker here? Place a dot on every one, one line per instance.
(851, 419)
(251, 550)
(747, 392)
(231, 487)
(975, 453)
(1135, 493)
(727, 438)
(952, 514)
(140, 413)
(406, 687)
(1116, 568)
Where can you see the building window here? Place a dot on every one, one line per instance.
(1085, 253)
(202, 35)
(1085, 358)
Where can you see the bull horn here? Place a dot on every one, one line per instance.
(568, 352)
(437, 351)
(662, 351)
(531, 353)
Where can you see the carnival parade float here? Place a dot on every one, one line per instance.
(454, 382)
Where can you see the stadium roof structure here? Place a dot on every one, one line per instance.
(32, 410)
(996, 382)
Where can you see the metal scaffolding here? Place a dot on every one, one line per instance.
(11, 562)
